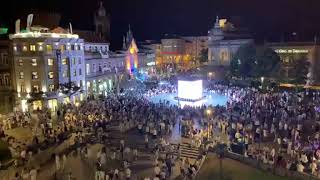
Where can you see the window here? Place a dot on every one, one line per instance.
(20, 62)
(87, 68)
(49, 48)
(21, 75)
(64, 61)
(74, 72)
(24, 48)
(65, 74)
(80, 72)
(6, 80)
(50, 62)
(4, 57)
(79, 61)
(51, 87)
(73, 61)
(22, 88)
(68, 47)
(81, 83)
(35, 88)
(72, 47)
(34, 62)
(40, 47)
(50, 75)
(34, 75)
(62, 47)
(76, 47)
(32, 47)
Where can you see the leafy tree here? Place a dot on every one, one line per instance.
(204, 55)
(268, 62)
(255, 62)
(243, 63)
(300, 70)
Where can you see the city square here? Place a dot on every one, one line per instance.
(126, 91)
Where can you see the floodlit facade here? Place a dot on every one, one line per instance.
(289, 52)
(224, 41)
(49, 68)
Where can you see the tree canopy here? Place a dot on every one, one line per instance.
(300, 70)
(251, 61)
(204, 55)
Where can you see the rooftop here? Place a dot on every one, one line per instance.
(43, 35)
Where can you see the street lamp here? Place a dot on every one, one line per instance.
(262, 80)
(208, 111)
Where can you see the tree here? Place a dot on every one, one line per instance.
(242, 64)
(204, 56)
(268, 62)
(300, 70)
(255, 62)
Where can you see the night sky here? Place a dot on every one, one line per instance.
(151, 19)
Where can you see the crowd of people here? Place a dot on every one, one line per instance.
(280, 129)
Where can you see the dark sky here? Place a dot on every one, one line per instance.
(151, 19)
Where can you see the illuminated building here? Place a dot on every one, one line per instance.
(104, 69)
(289, 52)
(6, 81)
(48, 67)
(224, 41)
(194, 47)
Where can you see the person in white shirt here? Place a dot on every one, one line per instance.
(33, 174)
(313, 167)
(57, 158)
(300, 167)
(128, 173)
(157, 171)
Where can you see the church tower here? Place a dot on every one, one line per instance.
(102, 23)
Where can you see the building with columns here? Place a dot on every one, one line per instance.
(224, 41)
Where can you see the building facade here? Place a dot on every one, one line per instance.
(195, 45)
(6, 81)
(49, 68)
(289, 52)
(224, 41)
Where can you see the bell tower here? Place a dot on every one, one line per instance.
(102, 23)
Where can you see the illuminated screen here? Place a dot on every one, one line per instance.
(190, 89)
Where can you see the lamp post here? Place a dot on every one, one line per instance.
(262, 80)
(209, 112)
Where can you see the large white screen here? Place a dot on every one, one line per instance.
(190, 89)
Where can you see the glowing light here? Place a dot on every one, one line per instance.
(131, 50)
(40, 34)
(151, 63)
(190, 90)
(222, 22)
(291, 51)
(44, 89)
(24, 105)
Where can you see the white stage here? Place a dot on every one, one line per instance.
(190, 90)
